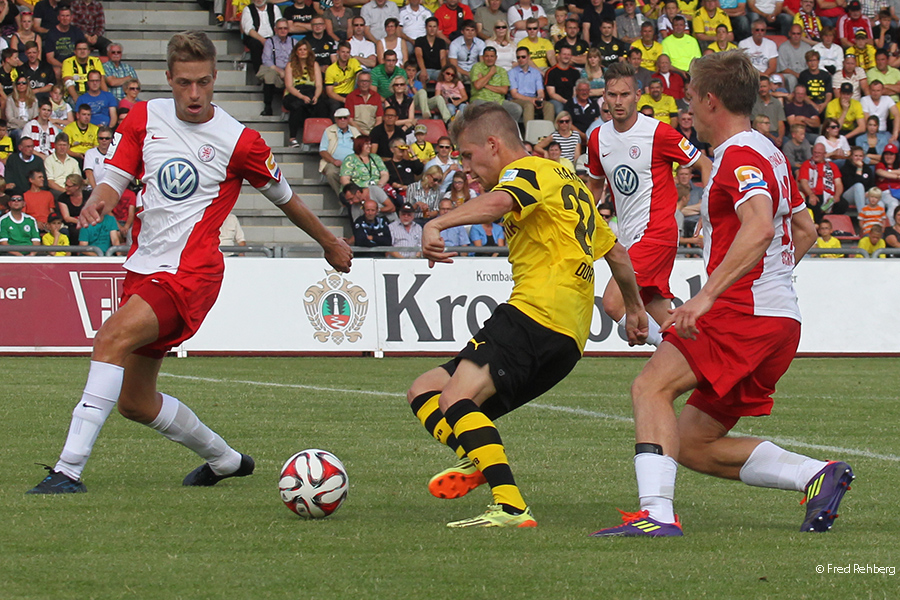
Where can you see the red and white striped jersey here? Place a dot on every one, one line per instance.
(192, 175)
(638, 165)
(749, 165)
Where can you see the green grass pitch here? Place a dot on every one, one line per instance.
(138, 534)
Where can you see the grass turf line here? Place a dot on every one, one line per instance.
(139, 534)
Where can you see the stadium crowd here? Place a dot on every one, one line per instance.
(391, 74)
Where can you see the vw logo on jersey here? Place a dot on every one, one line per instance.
(178, 179)
(625, 180)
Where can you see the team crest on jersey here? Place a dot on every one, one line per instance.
(274, 170)
(336, 308)
(634, 152)
(749, 178)
(206, 153)
(625, 180)
(687, 147)
(178, 179)
(509, 175)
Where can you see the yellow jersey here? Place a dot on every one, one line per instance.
(540, 50)
(554, 237)
(76, 73)
(662, 109)
(342, 80)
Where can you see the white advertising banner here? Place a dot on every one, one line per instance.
(299, 305)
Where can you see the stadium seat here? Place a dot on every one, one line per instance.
(313, 130)
(436, 129)
(537, 129)
(843, 227)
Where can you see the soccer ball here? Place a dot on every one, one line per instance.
(313, 483)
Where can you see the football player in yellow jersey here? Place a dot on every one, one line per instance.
(531, 342)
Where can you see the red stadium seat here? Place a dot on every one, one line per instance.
(844, 224)
(313, 130)
(436, 129)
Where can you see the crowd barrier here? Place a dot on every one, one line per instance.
(399, 306)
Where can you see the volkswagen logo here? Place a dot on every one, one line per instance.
(625, 180)
(178, 179)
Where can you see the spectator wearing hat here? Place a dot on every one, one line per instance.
(405, 232)
(792, 56)
(863, 50)
(422, 148)
(335, 146)
(20, 229)
(54, 235)
(852, 74)
(847, 112)
(370, 229)
(851, 23)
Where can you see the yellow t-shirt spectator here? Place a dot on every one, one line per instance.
(648, 55)
(81, 141)
(865, 58)
(47, 240)
(866, 244)
(833, 110)
(832, 243)
(77, 73)
(343, 81)
(6, 147)
(539, 51)
(662, 109)
(703, 23)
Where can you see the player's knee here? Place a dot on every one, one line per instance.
(135, 410)
(612, 308)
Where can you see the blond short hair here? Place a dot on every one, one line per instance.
(190, 46)
(730, 77)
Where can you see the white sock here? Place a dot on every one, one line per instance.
(656, 485)
(774, 467)
(654, 337)
(101, 392)
(178, 423)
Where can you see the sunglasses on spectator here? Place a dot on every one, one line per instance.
(21, 83)
(532, 28)
(834, 126)
(444, 146)
(120, 52)
(104, 139)
(135, 89)
(501, 27)
(564, 121)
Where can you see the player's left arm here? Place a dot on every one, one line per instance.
(636, 325)
(747, 249)
(486, 208)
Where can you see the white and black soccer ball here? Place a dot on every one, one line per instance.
(313, 483)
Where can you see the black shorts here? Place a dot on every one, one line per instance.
(526, 359)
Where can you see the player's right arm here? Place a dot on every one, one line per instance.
(337, 252)
(483, 209)
(636, 325)
(103, 199)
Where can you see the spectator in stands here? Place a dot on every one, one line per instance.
(70, 204)
(453, 236)
(560, 80)
(9, 63)
(526, 87)
(62, 113)
(405, 232)
(593, 71)
(612, 49)
(82, 133)
(772, 13)
(739, 15)
(376, 12)
(340, 77)
(762, 124)
(852, 22)
(39, 203)
(54, 235)
(423, 149)
(18, 228)
(836, 146)
(820, 183)
(772, 108)
(663, 106)
(762, 51)
(403, 167)
(338, 19)
(118, 73)
(336, 145)
(424, 195)
(39, 74)
(231, 233)
(887, 178)
(584, 109)
(466, 50)
(863, 50)
(554, 153)
(361, 47)
(490, 83)
(412, 20)
(873, 212)
(831, 54)
(132, 89)
(87, 15)
(628, 24)
(517, 16)
(885, 35)
(384, 74)
(722, 42)
(572, 40)
(847, 112)
(873, 142)
(298, 16)
(891, 235)
(366, 106)
(565, 135)
(642, 76)
(402, 103)
(77, 68)
(323, 46)
(817, 82)
(45, 15)
(857, 178)
(811, 24)
(665, 21)
(59, 165)
(104, 235)
(543, 56)
(257, 24)
(673, 84)
(302, 89)
(370, 229)
(792, 56)
(878, 105)
(681, 47)
(592, 19)
(873, 240)
(276, 54)
(384, 132)
(20, 164)
(60, 41)
(886, 74)
(21, 107)
(487, 234)
(103, 104)
(486, 18)
(826, 240)
(852, 74)
(391, 41)
(449, 95)
(459, 191)
(354, 197)
(25, 33)
(94, 165)
(430, 51)
(685, 127)
(707, 18)
(800, 110)
(6, 144)
(362, 167)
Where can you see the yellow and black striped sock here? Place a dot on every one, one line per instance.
(481, 441)
(425, 407)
